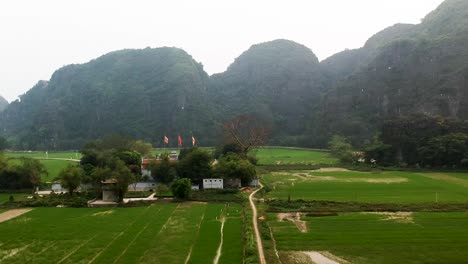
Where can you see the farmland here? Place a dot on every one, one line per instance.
(359, 237)
(278, 156)
(151, 234)
(52, 166)
(374, 238)
(388, 186)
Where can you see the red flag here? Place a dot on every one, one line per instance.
(166, 140)
(193, 141)
(180, 140)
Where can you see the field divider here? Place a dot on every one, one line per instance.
(162, 228)
(198, 234)
(220, 247)
(76, 249)
(133, 240)
(119, 235)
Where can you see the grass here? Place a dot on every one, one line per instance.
(384, 187)
(160, 233)
(369, 238)
(4, 197)
(53, 167)
(42, 155)
(278, 156)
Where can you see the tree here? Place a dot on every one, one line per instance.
(3, 143)
(246, 132)
(195, 166)
(124, 177)
(164, 171)
(232, 166)
(161, 189)
(378, 151)
(142, 147)
(34, 170)
(71, 177)
(341, 149)
(447, 150)
(181, 188)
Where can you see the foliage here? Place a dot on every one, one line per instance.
(3, 143)
(142, 147)
(447, 150)
(195, 166)
(71, 177)
(232, 166)
(163, 171)
(34, 170)
(124, 177)
(377, 151)
(181, 188)
(341, 149)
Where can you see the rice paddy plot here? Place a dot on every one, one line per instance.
(281, 156)
(384, 187)
(160, 233)
(378, 237)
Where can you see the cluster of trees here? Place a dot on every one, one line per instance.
(420, 140)
(25, 174)
(414, 140)
(197, 164)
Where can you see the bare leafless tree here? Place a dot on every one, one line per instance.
(246, 131)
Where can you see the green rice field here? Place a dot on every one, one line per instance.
(278, 156)
(383, 187)
(361, 238)
(160, 233)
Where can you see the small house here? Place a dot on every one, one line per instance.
(213, 184)
(58, 188)
(232, 183)
(109, 191)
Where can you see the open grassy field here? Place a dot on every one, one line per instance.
(161, 233)
(17, 196)
(42, 155)
(376, 238)
(271, 156)
(53, 167)
(384, 187)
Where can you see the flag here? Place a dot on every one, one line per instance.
(166, 140)
(180, 140)
(193, 141)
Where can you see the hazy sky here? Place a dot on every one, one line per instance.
(38, 37)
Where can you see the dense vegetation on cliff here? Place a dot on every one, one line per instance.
(147, 94)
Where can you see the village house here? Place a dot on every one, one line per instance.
(213, 184)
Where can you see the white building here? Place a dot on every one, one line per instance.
(213, 184)
(142, 187)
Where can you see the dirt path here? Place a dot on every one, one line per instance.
(218, 252)
(10, 214)
(318, 258)
(261, 254)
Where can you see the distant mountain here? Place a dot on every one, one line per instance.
(279, 81)
(144, 94)
(3, 103)
(402, 70)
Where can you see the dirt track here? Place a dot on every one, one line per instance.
(10, 214)
(261, 254)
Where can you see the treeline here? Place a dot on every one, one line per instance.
(415, 140)
(24, 174)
